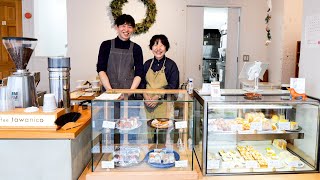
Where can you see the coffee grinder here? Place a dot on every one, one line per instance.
(21, 83)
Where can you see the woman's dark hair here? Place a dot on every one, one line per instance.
(155, 40)
(125, 19)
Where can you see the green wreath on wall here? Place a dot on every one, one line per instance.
(147, 22)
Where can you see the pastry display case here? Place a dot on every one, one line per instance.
(129, 135)
(235, 135)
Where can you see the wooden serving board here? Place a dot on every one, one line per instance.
(17, 119)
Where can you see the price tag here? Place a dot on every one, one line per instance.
(213, 164)
(96, 149)
(294, 164)
(227, 164)
(274, 164)
(236, 127)
(109, 124)
(212, 128)
(107, 149)
(107, 164)
(284, 125)
(93, 124)
(181, 124)
(183, 163)
(252, 164)
(256, 126)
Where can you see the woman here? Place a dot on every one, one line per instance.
(160, 73)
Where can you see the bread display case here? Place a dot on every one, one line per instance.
(129, 136)
(234, 135)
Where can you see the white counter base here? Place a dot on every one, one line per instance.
(47, 159)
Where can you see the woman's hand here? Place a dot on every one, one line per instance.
(149, 103)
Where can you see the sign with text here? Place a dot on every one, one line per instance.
(298, 84)
(215, 89)
(108, 124)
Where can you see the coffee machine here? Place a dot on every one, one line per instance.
(21, 83)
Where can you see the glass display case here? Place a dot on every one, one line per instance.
(129, 134)
(234, 135)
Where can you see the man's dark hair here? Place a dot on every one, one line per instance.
(125, 19)
(155, 40)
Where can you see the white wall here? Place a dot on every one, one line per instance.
(275, 48)
(309, 59)
(89, 23)
(214, 18)
(292, 28)
(285, 27)
(50, 27)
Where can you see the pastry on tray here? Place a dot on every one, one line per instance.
(126, 156)
(158, 123)
(280, 143)
(127, 123)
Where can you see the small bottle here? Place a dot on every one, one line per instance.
(190, 86)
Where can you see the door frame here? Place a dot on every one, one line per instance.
(189, 60)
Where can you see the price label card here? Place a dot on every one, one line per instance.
(252, 164)
(109, 124)
(183, 163)
(96, 149)
(274, 164)
(256, 126)
(215, 89)
(227, 164)
(213, 164)
(212, 128)
(284, 125)
(181, 124)
(107, 149)
(107, 164)
(236, 127)
(295, 164)
(93, 124)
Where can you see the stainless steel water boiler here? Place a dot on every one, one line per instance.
(59, 80)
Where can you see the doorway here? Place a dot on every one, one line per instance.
(210, 30)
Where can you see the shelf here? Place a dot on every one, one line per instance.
(255, 136)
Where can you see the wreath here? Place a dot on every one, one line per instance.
(147, 22)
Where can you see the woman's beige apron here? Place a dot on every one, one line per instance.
(157, 80)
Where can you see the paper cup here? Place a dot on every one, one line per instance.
(6, 103)
(49, 103)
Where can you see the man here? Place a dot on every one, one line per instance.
(120, 61)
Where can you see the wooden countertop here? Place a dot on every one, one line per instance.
(47, 134)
